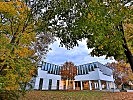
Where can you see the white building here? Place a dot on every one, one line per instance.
(91, 76)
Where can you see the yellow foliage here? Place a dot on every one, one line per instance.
(128, 27)
(122, 69)
(8, 7)
(15, 56)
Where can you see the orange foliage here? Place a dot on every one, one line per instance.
(122, 72)
(68, 70)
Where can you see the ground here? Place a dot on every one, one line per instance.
(77, 95)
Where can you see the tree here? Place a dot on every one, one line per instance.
(22, 43)
(108, 26)
(122, 72)
(68, 71)
(110, 35)
(16, 35)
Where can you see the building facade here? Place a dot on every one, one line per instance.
(91, 76)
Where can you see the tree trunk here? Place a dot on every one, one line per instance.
(129, 57)
(125, 46)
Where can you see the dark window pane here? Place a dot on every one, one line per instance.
(95, 66)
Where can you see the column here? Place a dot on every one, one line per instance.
(95, 85)
(114, 85)
(66, 84)
(81, 84)
(107, 85)
(90, 85)
(100, 86)
(61, 85)
(37, 83)
(73, 85)
(77, 85)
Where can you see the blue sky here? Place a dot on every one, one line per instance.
(78, 55)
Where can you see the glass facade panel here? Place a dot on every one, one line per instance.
(92, 67)
(50, 84)
(86, 68)
(44, 65)
(95, 66)
(49, 67)
(89, 67)
(55, 69)
(81, 69)
(78, 70)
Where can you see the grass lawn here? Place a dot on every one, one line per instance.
(76, 95)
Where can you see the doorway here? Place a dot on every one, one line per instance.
(50, 84)
(40, 83)
(58, 83)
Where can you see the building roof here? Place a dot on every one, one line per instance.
(81, 69)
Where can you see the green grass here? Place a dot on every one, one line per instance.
(63, 95)
(76, 95)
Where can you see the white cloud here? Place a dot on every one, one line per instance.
(78, 55)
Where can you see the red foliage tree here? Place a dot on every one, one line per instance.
(68, 71)
(122, 72)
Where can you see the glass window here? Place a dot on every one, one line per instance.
(55, 69)
(82, 70)
(52, 68)
(86, 69)
(95, 66)
(49, 67)
(92, 67)
(79, 70)
(44, 65)
(89, 68)
(83, 67)
(50, 84)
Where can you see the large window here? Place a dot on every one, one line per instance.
(86, 69)
(57, 70)
(92, 67)
(79, 70)
(47, 65)
(54, 68)
(40, 83)
(49, 68)
(95, 66)
(50, 84)
(89, 68)
(58, 83)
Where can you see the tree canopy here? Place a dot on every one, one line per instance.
(68, 71)
(107, 25)
(22, 43)
(122, 72)
(28, 26)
